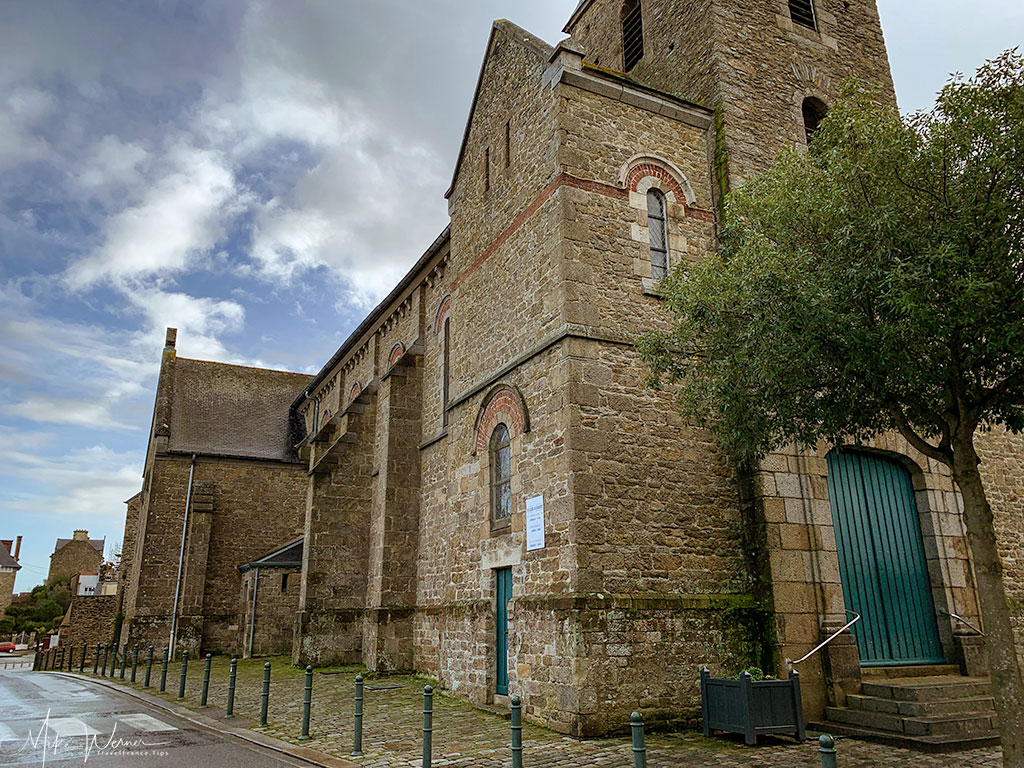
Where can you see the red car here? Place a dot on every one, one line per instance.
(6, 647)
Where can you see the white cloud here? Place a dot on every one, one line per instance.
(113, 163)
(180, 217)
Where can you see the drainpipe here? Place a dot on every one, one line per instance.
(181, 557)
(252, 615)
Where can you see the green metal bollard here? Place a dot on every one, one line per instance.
(96, 660)
(428, 724)
(71, 657)
(149, 667)
(230, 711)
(206, 681)
(113, 659)
(184, 672)
(135, 661)
(827, 748)
(307, 700)
(636, 724)
(124, 659)
(163, 670)
(103, 664)
(81, 661)
(265, 696)
(357, 739)
(517, 732)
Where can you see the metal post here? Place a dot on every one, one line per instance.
(135, 661)
(357, 739)
(428, 724)
(113, 659)
(827, 748)
(71, 657)
(81, 661)
(103, 665)
(230, 711)
(184, 672)
(206, 681)
(265, 696)
(517, 732)
(163, 670)
(149, 667)
(96, 660)
(636, 724)
(124, 659)
(307, 700)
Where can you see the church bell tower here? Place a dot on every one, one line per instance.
(769, 68)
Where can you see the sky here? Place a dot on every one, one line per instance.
(257, 174)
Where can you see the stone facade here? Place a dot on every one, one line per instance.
(9, 553)
(269, 599)
(220, 466)
(90, 620)
(79, 554)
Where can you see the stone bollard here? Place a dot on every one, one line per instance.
(357, 738)
(307, 701)
(517, 732)
(149, 667)
(230, 710)
(96, 660)
(124, 659)
(265, 696)
(206, 681)
(827, 748)
(163, 670)
(81, 661)
(135, 661)
(184, 672)
(636, 724)
(428, 724)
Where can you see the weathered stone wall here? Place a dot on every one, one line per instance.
(7, 578)
(277, 600)
(129, 543)
(91, 620)
(77, 556)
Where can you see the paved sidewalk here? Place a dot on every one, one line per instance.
(467, 737)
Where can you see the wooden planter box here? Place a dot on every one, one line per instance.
(751, 707)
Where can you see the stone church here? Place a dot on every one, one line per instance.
(489, 494)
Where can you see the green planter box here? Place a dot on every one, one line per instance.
(751, 707)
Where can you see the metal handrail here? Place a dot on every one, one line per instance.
(962, 620)
(791, 664)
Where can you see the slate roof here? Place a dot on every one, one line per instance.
(97, 544)
(233, 410)
(288, 556)
(7, 559)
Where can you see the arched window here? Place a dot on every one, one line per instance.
(814, 112)
(501, 476)
(658, 232)
(632, 34)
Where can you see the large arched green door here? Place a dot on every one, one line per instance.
(881, 559)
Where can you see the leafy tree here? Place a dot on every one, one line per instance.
(875, 283)
(43, 610)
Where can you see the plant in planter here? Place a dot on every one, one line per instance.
(750, 706)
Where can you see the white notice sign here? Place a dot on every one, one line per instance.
(534, 523)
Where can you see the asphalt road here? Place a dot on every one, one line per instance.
(49, 720)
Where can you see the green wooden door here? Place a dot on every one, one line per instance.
(881, 559)
(504, 579)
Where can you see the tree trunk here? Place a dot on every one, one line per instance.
(995, 614)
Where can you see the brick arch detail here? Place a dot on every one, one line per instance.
(504, 404)
(356, 391)
(671, 179)
(396, 353)
(325, 418)
(443, 309)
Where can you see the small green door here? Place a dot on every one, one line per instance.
(504, 578)
(881, 559)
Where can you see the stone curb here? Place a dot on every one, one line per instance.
(305, 754)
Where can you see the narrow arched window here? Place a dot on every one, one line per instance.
(814, 111)
(656, 225)
(632, 34)
(501, 476)
(445, 372)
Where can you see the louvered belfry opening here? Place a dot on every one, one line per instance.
(632, 34)
(802, 12)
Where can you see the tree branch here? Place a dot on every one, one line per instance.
(907, 430)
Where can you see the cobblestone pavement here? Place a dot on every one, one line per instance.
(467, 737)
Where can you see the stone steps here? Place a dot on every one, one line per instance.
(925, 711)
(922, 670)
